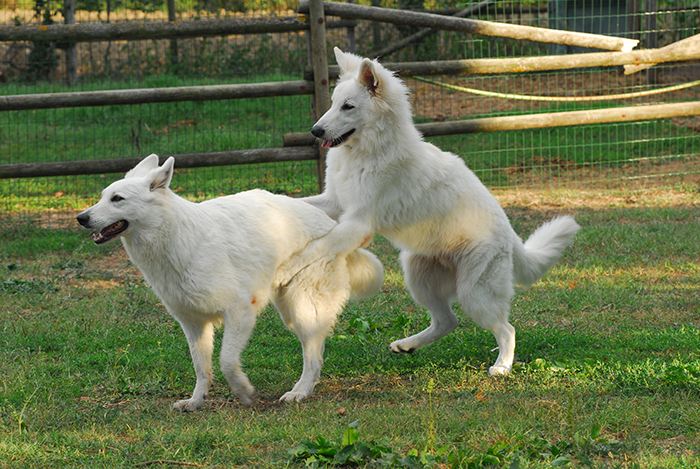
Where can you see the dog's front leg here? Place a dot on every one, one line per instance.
(200, 338)
(326, 202)
(343, 239)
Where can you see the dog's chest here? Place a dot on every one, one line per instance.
(354, 184)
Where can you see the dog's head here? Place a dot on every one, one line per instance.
(125, 203)
(366, 94)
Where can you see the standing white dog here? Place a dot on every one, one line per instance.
(455, 239)
(217, 261)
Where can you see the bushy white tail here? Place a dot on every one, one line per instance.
(542, 249)
(366, 274)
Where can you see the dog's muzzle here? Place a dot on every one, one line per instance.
(106, 234)
(319, 132)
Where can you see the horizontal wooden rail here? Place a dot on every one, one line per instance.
(472, 26)
(681, 51)
(158, 29)
(536, 121)
(190, 160)
(670, 53)
(154, 95)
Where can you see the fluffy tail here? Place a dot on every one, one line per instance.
(542, 249)
(366, 274)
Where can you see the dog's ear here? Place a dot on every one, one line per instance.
(342, 59)
(144, 167)
(368, 77)
(161, 177)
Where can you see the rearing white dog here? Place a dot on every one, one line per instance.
(455, 239)
(217, 261)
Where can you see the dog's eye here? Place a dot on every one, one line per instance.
(117, 198)
(347, 107)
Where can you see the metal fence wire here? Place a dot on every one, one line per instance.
(628, 155)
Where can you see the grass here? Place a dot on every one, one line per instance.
(607, 372)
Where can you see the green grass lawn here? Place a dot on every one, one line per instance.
(607, 372)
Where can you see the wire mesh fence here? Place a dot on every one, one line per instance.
(628, 155)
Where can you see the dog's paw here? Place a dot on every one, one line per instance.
(286, 272)
(247, 399)
(499, 370)
(400, 346)
(188, 405)
(292, 396)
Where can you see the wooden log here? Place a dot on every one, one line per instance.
(536, 121)
(319, 64)
(420, 35)
(157, 30)
(172, 17)
(537, 64)
(71, 49)
(154, 95)
(471, 26)
(495, 9)
(191, 160)
(689, 46)
(561, 119)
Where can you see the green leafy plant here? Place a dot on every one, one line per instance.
(321, 452)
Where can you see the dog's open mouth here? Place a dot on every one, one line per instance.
(110, 232)
(337, 141)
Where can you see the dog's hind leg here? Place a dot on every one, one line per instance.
(484, 289)
(312, 346)
(238, 327)
(431, 282)
(310, 306)
(200, 338)
(505, 336)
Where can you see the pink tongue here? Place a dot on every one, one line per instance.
(326, 143)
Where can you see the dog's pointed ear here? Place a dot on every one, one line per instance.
(368, 77)
(144, 167)
(161, 177)
(341, 59)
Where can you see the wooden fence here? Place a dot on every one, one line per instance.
(317, 78)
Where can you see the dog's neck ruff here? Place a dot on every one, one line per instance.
(399, 140)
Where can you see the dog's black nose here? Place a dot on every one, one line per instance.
(318, 131)
(83, 219)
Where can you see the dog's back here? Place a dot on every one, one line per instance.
(208, 253)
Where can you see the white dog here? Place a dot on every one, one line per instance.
(216, 261)
(455, 239)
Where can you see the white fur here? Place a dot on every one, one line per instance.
(216, 261)
(456, 241)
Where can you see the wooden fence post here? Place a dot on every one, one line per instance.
(319, 63)
(172, 17)
(352, 43)
(71, 49)
(376, 28)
